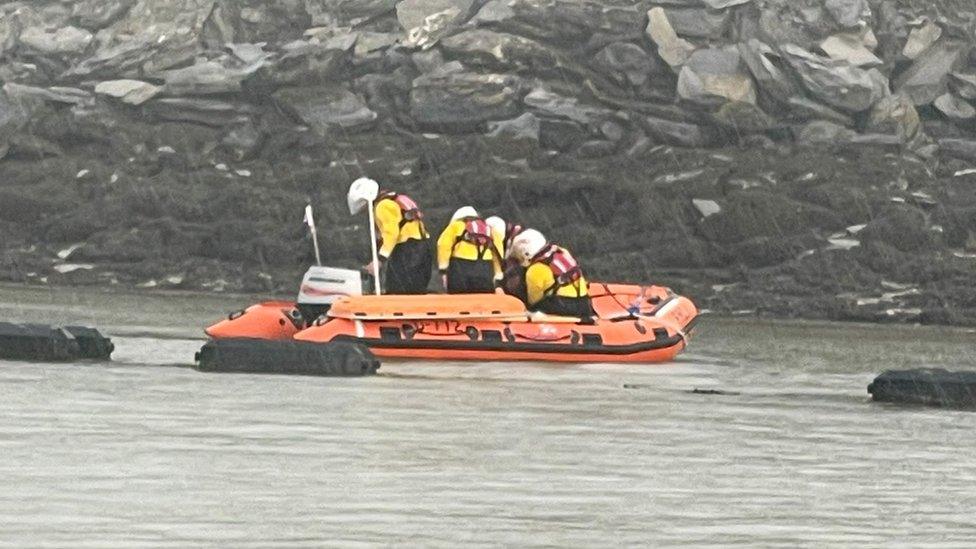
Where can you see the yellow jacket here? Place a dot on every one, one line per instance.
(451, 245)
(539, 281)
(388, 218)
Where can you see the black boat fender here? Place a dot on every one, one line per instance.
(926, 386)
(257, 356)
(43, 343)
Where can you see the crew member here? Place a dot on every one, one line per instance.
(554, 281)
(467, 254)
(513, 273)
(403, 241)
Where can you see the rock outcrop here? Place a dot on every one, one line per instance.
(794, 157)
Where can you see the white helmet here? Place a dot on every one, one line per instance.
(466, 211)
(497, 225)
(528, 244)
(362, 191)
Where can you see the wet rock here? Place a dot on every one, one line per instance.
(66, 40)
(964, 149)
(837, 83)
(920, 39)
(822, 132)
(327, 109)
(413, 13)
(597, 148)
(706, 207)
(494, 11)
(847, 13)
(243, 141)
(755, 213)
(98, 14)
(676, 133)
(514, 139)
(13, 117)
(626, 63)
(561, 135)
(722, 4)
(552, 104)
(712, 77)
(849, 48)
(902, 227)
(206, 78)
(55, 94)
(928, 76)
(304, 62)
(672, 49)
(497, 48)
(804, 109)
(765, 65)
(346, 12)
(463, 100)
(132, 92)
(894, 115)
(963, 84)
(743, 118)
(211, 112)
(954, 107)
(699, 23)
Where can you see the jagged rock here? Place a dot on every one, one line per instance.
(413, 13)
(13, 117)
(332, 13)
(244, 140)
(762, 63)
(626, 63)
(98, 14)
(672, 49)
(676, 133)
(846, 12)
(822, 132)
(804, 109)
(894, 115)
(327, 109)
(553, 104)
(699, 23)
(901, 227)
(514, 139)
(463, 100)
(494, 11)
(596, 148)
(66, 40)
(848, 47)
(706, 207)
(722, 4)
(435, 27)
(497, 48)
(133, 92)
(964, 84)
(208, 77)
(56, 94)
(304, 62)
(928, 76)
(712, 77)
(954, 107)
(370, 42)
(920, 39)
(837, 83)
(743, 117)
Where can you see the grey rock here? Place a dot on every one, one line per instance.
(210, 112)
(553, 104)
(805, 109)
(706, 207)
(894, 115)
(56, 94)
(243, 140)
(463, 100)
(132, 92)
(927, 78)
(66, 40)
(837, 83)
(722, 4)
(428, 60)
(304, 62)
(764, 64)
(712, 77)
(346, 12)
(514, 139)
(627, 63)
(821, 132)
(963, 84)
(676, 133)
(673, 49)
(699, 23)
(964, 149)
(98, 14)
(846, 12)
(954, 107)
(413, 14)
(497, 48)
(327, 109)
(743, 118)
(849, 47)
(494, 11)
(434, 27)
(597, 148)
(920, 39)
(561, 135)
(208, 77)
(13, 117)
(370, 42)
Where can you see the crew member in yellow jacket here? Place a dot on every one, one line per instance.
(403, 241)
(468, 256)
(554, 281)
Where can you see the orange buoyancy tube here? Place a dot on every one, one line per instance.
(275, 320)
(644, 340)
(383, 307)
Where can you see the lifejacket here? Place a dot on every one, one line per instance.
(565, 269)
(478, 232)
(511, 231)
(409, 210)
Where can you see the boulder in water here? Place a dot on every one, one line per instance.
(42, 343)
(926, 386)
(255, 356)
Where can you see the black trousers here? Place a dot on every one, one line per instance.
(580, 307)
(408, 269)
(514, 282)
(466, 276)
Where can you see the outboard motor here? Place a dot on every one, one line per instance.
(322, 286)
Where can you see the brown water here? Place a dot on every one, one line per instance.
(144, 453)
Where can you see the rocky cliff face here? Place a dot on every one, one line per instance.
(793, 157)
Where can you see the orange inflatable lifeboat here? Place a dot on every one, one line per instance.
(631, 324)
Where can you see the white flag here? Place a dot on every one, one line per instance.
(309, 218)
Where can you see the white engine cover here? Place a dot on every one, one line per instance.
(324, 285)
